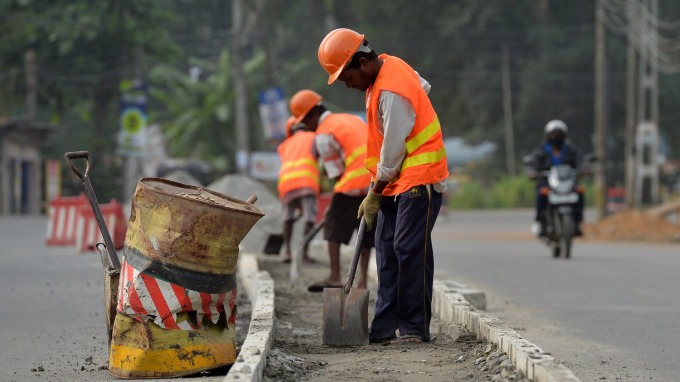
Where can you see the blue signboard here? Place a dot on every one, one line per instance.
(273, 113)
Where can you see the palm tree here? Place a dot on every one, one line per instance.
(198, 118)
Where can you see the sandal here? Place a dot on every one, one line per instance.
(380, 341)
(406, 339)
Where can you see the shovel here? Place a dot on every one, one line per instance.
(106, 251)
(297, 256)
(345, 310)
(275, 241)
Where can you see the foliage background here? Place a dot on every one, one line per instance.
(86, 48)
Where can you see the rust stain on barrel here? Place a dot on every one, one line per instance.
(189, 227)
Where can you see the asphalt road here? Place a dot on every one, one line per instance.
(51, 309)
(612, 312)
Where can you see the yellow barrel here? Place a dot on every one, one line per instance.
(176, 308)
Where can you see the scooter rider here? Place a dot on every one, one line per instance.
(554, 150)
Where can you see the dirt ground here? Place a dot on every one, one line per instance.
(633, 226)
(298, 353)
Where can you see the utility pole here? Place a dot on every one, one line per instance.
(630, 104)
(31, 69)
(241, 89)
(647, 131)
(507, 112)
(131, 167)
(600, 117)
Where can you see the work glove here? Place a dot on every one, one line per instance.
(369, 208)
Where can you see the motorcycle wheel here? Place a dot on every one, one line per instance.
(556, 249)
(567, 235)
(556, 232)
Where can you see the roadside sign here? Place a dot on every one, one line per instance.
(265, 165)
(132, 119)
(273, 113)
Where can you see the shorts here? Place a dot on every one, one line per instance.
(341, 220)
(305, 204)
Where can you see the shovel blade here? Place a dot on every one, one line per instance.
(111, 281)
(273, 244)
(345, 317)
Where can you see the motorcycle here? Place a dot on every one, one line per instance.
(563, 194)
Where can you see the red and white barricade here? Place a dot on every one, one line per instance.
(63, 213)
(87, 230)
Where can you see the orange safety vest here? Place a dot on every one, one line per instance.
(425, 160)
(298, 166)
(351, 133)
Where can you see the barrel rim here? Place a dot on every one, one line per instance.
(255, 211)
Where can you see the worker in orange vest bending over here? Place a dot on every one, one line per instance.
(407, 159)
(341, 147)
(298, 182)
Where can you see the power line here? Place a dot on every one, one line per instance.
(633, 19)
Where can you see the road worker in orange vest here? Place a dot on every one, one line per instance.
(341, 147)
(298, 183)
(407, 160)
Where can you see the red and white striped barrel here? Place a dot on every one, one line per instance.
(63, 215)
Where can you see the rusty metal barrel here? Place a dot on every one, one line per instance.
(176, 310)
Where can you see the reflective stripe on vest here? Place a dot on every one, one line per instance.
(425, 159)
(301, 162)
(413, 144)
(298, 166)
(351, 134)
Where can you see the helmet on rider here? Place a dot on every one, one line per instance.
(336, 50)
(302, 102)
(555, 124)
(556, 133)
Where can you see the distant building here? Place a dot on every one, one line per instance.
(21, 165)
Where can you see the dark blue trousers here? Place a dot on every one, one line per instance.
(405, 263)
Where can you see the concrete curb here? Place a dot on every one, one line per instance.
(259, 287)
(450, 306)
(455, 306)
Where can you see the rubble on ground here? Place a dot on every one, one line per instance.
(298, 354)
(633, 226)
(242, 187)
(285, 367)
(181, 176)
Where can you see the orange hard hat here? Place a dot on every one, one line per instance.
(289, 125)
(302, 102)
(336, 49)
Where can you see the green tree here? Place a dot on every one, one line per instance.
(198, 114)
(84, 50)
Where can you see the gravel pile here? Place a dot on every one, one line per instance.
(287, 368)
(498, 365)
(183, 177)
(632, 226)
(242, 187)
